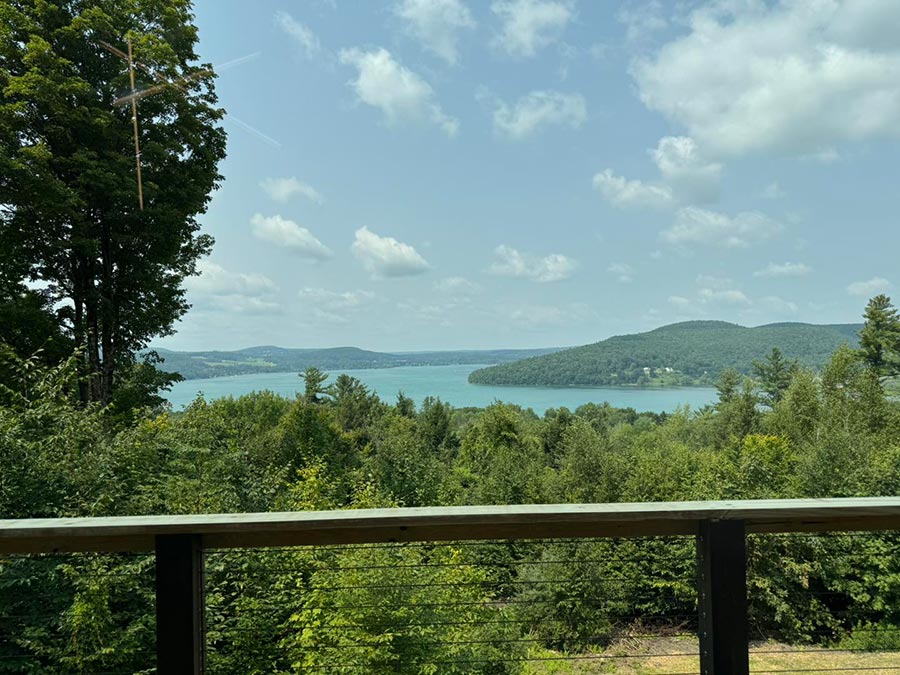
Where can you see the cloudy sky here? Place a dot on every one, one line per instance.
(430, 174)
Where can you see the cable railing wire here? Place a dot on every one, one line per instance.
(471, 603)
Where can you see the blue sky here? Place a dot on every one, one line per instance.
(437, 174)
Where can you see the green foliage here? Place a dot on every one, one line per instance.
(500, 459)
(872, 637)
(355, 407)
(400, 610)
(879, 339)
(138, 390)
(405, 405)
(574, 596)
(774, 375)
(434, 424)
(400, 462)
(589, 470)
(69, 216)
(435, 609)
(695, 351)
(314, 381)
(77, 614)
(29, 325)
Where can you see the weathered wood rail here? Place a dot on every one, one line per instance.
(720, 529)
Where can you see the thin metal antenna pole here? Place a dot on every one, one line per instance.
(134, 119)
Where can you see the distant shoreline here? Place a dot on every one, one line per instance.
(625, 387)
(339, 370)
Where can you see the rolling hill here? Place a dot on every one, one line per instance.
(268, 359)
(688, 353)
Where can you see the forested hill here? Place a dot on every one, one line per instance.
(193, 365)
(688, 353)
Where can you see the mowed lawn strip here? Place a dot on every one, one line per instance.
(678, 656)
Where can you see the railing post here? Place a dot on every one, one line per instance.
(179, 605)
(722, 588)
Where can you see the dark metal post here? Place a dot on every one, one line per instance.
(722, 587)
(179, 605)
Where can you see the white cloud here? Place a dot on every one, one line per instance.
(625, 193)
(530, 25)
(775, 305)
(683, 169)
(217, 288)
(869, 24)
(642, 20)
(289, 235)
(401, 94)
(216, 280)
(512, 263)
(537, 316)
(301, 34)
(333, 306)
(338, 300)
(538, 109)
(694, 225)
(787, 269)
(242, 304)
(710, 281)
(687, 177)
(791, 77)
(873, 286)
(457, 286)
(773, 191)
(623, 271)
(436, 24)
(712, 295)
(385, 256)
(728, 296)
(282, 189)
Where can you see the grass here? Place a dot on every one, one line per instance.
(674, 655)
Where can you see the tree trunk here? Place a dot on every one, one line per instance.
(78, 322)
(107, 318)
(93, 332)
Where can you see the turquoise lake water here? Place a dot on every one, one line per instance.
(451, 385)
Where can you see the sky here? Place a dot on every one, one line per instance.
(452, 174)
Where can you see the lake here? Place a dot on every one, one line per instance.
(450, 383)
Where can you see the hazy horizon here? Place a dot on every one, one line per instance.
(482, 349)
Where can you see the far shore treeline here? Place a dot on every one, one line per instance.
(682, 354)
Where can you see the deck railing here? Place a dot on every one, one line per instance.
(184, 544)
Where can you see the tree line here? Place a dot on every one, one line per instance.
(680, 354)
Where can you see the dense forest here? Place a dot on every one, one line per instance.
(787, 431)
(688, 353)
(194, 365)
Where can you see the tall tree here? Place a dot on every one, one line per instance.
(405, 405)
(434, 423)
(727, 386)
(69, 217)
(314, 380)
(879, 339)
(774, 374)
(352, 402)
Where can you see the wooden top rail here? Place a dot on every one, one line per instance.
(243, 530)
